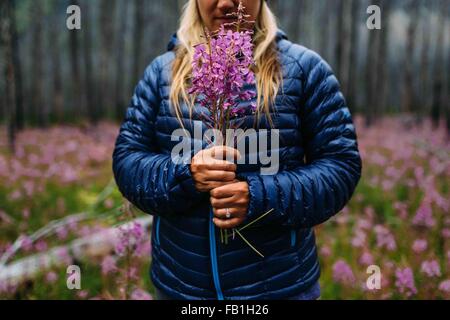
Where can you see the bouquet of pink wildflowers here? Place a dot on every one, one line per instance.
(221, 69)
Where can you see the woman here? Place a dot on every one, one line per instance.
(319, 168)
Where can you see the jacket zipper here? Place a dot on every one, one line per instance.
(212, 246)
(158, 219)
(293, 237)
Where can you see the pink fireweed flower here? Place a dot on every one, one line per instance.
(29, 187)
(325, 251)
(402, 209)
(51, 277)
(359, 197)
(108, 265)
(446, 233)
(139, 294)
(129, 238)
(26, 244)
(72, 224)
(7, 287)
(26, 213)
(41, 245)
(431, 268)
(364, 224)
(5, 218)
(387, 185)
(342, 218)
(405, 282)
(82, 294)
(389, 265)
(64, 256)
(445, 286)
(420, 245)
(366, 259)
(62, 232)
(359, 239)
(143, 248)
(419, 174)
(369, 212)
(385, 238)
(85, 231)
(15, 195)
(221, 71)
(342, 273)
(424, 216)
(108, 203)
(132, 273)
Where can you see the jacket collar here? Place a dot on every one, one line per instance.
(174, 40)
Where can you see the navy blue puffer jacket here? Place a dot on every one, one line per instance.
(320, 167)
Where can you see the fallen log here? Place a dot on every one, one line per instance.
(88, 247)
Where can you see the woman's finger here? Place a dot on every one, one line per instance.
(233, 201)
(234, 213)
(216, 175)
(211, 185)
(222, 192)
(208, 186)
(227, 224)
(222, 203)
(221, 165)
(224, 152)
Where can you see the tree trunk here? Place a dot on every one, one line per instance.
(425, 63)
(340, 43)
(306, 22)
(323, 36)
(293, 26)
(76, 101)
(20, 115)
(408, 99)
(55, 52)
(371, 74)
(108, 8)
(447, 96)
(382, 59)
(91, 98)
(37, 105)
(120, 72)
(439, 62)
(353, 65)
(137, 40)
(7, 34)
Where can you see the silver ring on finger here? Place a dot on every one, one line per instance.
(228, 214)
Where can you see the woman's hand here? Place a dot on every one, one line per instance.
(209, 169)
(235, 197)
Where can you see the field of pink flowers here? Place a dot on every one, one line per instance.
(58, 188)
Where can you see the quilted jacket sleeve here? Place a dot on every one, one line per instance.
(309, 195)
(148, 179)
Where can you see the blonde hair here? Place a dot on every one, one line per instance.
(268, 69)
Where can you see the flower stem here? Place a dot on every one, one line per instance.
(249, 244)
(254, 221)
